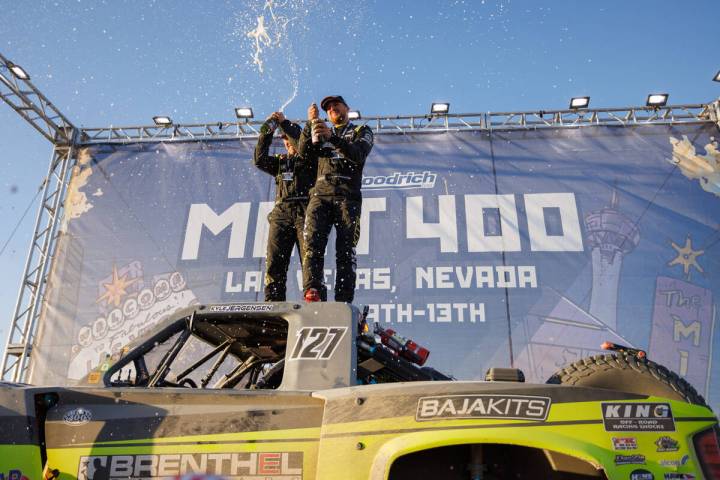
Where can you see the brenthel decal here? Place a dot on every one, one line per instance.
(519, 407)
(248, 466)
(242, 307)
(638, 417)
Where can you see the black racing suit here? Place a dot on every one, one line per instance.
(293, 179)
(335, 200)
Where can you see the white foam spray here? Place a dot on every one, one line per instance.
(261, 37)
(270, 30)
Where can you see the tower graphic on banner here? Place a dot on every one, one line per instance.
(612, 236)
(557, 330)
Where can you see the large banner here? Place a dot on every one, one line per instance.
(523, 248)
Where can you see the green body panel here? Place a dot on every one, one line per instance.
(23, 458)
(331, 450)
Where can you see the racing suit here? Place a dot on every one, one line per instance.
(293, 179)
(335, 200)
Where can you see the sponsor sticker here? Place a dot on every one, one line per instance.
(94, 377)
(77, 416)
(242, 307)
(675, 463)
(399, 180)
(667, 444)
(637, 417)
(515, 407)
(629, 459)
(678, 476)
(624, 443)
(13, 475)
(246, 465)
(641, 474)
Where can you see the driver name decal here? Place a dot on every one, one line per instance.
(242, 307)
(516, 407)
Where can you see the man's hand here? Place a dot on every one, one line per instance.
(323, 131)
(313, 112)
(278, 117)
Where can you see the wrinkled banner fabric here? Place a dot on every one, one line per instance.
(524, 248)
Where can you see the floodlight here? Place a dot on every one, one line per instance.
(18, 71)
(440, 108)
(354, 115)
(717, 77)
(162, 121)
(244, 112)
(579, 102)
(657, 99)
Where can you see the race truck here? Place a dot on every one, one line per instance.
(313, 391)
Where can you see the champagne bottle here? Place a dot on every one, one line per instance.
(315, 123)
(269, 126)
(316, 140)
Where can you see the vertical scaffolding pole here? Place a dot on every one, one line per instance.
(18, 349)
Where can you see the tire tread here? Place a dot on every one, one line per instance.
(581, 369)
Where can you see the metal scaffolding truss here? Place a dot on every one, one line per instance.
(675, 114)
(22, 96)
(16, 358)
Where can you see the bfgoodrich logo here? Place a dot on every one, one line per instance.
(399, 180)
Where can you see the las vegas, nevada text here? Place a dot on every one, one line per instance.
(490, 226)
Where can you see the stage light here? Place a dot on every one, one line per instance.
(244, 112)
(162, 121)
(354, 115)
(579, 102)
(657, 99)
(717, 77)
(440, 108)
(18, 71)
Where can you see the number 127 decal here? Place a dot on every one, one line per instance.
(317, 343)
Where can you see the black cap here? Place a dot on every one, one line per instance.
(332, 98)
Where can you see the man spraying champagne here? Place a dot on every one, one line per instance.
(293, 179)
(335, 201)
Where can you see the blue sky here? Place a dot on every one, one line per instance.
(121, 62)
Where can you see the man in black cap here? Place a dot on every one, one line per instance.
(293, 179)
(335, 200)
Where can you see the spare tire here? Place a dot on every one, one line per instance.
(627, 373)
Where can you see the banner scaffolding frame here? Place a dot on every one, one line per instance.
(406, 124)
(38, 265)
(17, 91)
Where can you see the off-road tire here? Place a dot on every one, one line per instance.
(627, 373)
